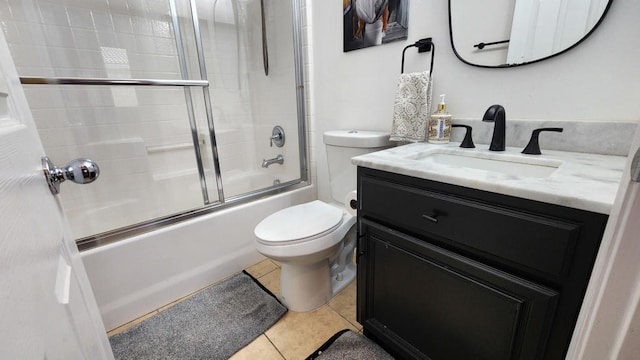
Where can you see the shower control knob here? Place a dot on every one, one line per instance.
(277, 136)
(80, 171)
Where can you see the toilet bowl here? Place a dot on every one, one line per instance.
(315, 241)
(308, 241)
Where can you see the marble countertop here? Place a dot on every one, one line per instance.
(578, 180)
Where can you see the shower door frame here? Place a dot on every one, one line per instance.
(222, 202)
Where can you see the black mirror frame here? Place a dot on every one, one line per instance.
(604, 13)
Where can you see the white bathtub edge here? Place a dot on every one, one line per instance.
(136, 276)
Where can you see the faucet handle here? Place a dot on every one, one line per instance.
(277, 136)
(467, 142)
(533, 147)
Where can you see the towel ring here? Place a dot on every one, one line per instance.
(423, 45)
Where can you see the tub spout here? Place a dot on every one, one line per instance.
(278, 159)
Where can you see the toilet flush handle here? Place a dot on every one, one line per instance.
(353, 204)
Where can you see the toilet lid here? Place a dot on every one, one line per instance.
(298, 222)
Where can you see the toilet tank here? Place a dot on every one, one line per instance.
(341, 146)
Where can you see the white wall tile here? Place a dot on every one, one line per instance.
(79, 18)
(145, 44)
(141, 26)
(122, 23)
(53, 14)
(50, 118)
(64, 57)
(162, 28)
(30, 56)
(108, 39)
(59, 36)
(5, 10)
(54, 137)
(102, 21)
(165, 46)
(74, 97)
(91, 4)
(85, 39)
(120, 7)
(43, 98)
(158, 7)
(128, 42)
(15, 34)
(91, 59)
(20, 13)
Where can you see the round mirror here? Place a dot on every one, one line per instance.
(505, 33)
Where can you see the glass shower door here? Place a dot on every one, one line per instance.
(142, 136)
(169, 97)
(248, 102)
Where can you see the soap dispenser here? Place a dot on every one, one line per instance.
(440, 124)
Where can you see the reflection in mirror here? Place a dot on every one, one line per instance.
(503, 33)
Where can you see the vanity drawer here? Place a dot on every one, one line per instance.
(536, 242)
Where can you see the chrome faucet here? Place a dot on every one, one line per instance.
(496, 113)
(278, 159)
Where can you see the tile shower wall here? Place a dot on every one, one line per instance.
(91, 38)
(140, 136)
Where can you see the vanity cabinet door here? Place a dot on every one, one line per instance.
(422, 301)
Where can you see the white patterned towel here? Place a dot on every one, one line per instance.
(412, 107)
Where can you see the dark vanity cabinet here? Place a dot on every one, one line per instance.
(446, 272)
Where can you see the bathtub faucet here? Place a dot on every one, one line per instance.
(278, 159)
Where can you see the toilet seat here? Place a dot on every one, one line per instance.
(299, 223)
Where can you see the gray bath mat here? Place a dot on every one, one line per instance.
(348, 345)
(212, 324)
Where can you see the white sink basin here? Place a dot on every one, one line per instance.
(520, 166)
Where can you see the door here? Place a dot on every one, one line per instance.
(609, 322)
(47, 308)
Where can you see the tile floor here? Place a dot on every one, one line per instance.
(296, 335)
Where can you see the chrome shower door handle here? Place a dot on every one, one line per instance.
(265, 50)
(80, 171)
(635, 167)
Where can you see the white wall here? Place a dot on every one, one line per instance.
(598, 80)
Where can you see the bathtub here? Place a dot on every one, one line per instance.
(135, 276)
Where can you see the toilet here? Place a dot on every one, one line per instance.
(314, 241)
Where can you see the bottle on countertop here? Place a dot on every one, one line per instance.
(440, 124)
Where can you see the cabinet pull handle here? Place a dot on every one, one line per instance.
(433, 218)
